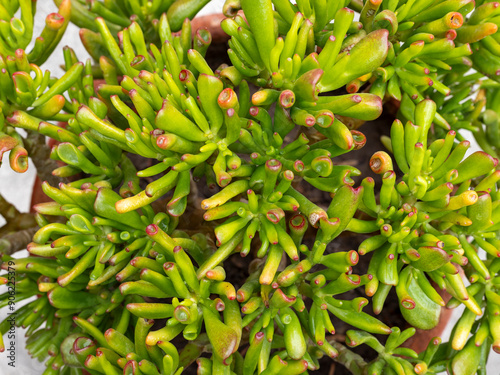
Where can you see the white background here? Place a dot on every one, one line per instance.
(17, 188)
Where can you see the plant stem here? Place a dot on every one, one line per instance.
(13, 242)
(7, 209)
(39, 153)
(16, 221)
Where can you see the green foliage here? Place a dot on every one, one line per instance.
(130, 268)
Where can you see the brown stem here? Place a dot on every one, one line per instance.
(7, 210)
(16, 241)
(352, 361)
(16, 221)
(20, 222)
(39, 152)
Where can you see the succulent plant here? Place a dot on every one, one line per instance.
(163, 168)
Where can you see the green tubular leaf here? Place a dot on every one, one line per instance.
(295, 343)
(466, 361)
(104, 206)
(359, 320)
(371, 51)
(223, 338)
(425, 314)
(259, 14)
